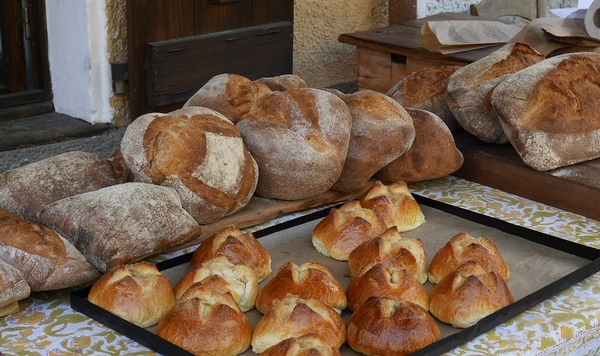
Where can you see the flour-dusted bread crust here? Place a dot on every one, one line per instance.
(28, 189)
(283, 82)
(123, 223)
(469, 89)
(550, 111)
(46, 260)
(13, 288)
(300, 139)
(426, 90)
(199, 153)
(381, 132)
(432, 155)
(231, 95)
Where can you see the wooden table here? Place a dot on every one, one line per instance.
(386, 55)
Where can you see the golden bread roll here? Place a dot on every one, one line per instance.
(283, 82)
(308, 280)
(294, 317)
(390, 245)
(462, 248)
(395, 204)
(137, 292)
(344, 228)
(385, 279)
(305, 345)
(386, 326)
(238, 247)
(208, 324)
(381, 132)
(241, 279)
(468, 294)
(231, 95)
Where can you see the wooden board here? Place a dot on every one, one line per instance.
(574, 188)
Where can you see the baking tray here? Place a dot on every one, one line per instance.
(541, 266)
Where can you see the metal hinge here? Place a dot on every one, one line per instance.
(120, 76)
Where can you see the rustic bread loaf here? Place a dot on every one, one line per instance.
(386, 326)
(122, 173)
(295, 317)
(549, 111)
(241, 281)
(463, 247)
(305, 345)
(386, 279)
(468, 294)
(13, 288)
(238, 247)
(381, 132)
(44, 258)
(390, 246)
(426, 90)
(137, 292)
(123, 223)
(231, 95)
(344, 228)
(469, 89)
(307, 280)
(28, 189)
(432, 155)
(299, 139)
(199, 153)
(283, 82)
(206, 323)
(395, 204)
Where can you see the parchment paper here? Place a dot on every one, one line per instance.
(532, 266)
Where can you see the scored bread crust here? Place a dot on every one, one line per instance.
(239, 247)
(138, 293)
(468, 89)
(283, 82)
(550, 112)
(468, 294)
(308, 280)
(386, 326)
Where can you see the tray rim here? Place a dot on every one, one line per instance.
(79, 302)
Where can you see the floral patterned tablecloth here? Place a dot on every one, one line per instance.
(565, 324)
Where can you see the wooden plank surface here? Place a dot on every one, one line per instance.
(574, 188)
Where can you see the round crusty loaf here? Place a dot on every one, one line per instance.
(469, 88)
(305, 345)
(463, 247)
(395, 204)
(199, 153)
(308, 280)
(386, 279)
(283, 82)
(241, 280)
(389, 245)
(299, 139)
(381, 132)
(231, 95)
(45, 259)
(426, 90)
(468, 294)
(432, 155)
(550, 112)
(295, 317)
(26, 190)
(238, 247)
(13, 287)
(138, 293)
(123, 223)
(386, 326)
(207, 323)
(344, 228)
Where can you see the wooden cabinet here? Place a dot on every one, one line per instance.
(175, 46)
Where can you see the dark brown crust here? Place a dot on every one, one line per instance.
(422, 85)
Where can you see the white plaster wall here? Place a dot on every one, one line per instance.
(79, 69)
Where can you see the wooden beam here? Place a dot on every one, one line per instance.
(400, 11)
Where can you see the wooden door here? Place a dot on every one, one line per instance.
(175, 46)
